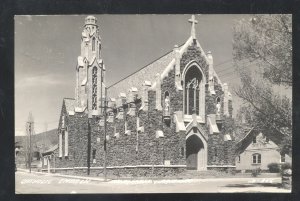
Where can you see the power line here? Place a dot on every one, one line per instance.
(51, 122)
(229, 73)
(224, 62)
(230, 67)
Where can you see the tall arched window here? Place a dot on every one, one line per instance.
(193, 78)
(218, 105)
(93, 44)
(99, 51)
(166, 103)
(94, 88)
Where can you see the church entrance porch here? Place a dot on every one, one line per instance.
(196, 152)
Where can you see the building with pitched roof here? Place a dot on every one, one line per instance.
(165, 118)
(256, 151)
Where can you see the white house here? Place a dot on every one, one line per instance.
(258, 151)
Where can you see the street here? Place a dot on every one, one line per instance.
(34, 183)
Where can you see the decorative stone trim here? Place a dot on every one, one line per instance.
(159, 134)
(158, 92)
(60, 145)
(145, 100)
(226, 112)
(227, 137)
(211, 120)
(117, 135)
(66, 142)
(179, 121)
(79, 109)
(128, 132)
(71, 113)
(127, 166)
(141, 129)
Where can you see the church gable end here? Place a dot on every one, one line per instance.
(150, 113)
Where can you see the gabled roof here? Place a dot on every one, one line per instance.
(70, 104)
(137, 78)
(80, 61)
(50, 150)
(246, 140)
(94, 61)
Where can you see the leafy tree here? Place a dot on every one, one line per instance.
(266, 41)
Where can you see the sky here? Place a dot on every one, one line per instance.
(47, 47)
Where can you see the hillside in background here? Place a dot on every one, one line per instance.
(40, 140)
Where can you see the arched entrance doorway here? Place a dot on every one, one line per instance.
(196, 152)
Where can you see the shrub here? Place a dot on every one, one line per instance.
(256, 172)
(274, 167)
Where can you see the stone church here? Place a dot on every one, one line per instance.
(167, 117)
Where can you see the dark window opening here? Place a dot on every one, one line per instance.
(93, 44)
(267, 139)
(282, 157)
(94, 154)
(192, 97)
(94, 88)
(256, 159)
(99, 50)
(182, 151)
(254, 140)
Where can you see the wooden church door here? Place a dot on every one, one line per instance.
(193, 146)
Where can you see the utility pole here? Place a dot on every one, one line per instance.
(89, 146)
(104, 112)
(136, 101)
(105, 154)
(44, 136)
(29, 134)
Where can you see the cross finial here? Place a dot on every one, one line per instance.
(193, 21)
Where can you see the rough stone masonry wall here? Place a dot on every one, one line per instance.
(194, 53)
(144, 149)
(78, 140)
(219, 151)
(64, 161)
(125, 172)
(175, 141)
(211, 100)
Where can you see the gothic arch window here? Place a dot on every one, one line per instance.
(167, 103)
(94, 155)
(99, 50)
(93, 44)
(192, 81)
(94, 88)
(218, 105)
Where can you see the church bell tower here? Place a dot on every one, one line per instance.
(90, 70)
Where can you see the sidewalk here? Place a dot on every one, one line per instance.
(58, 183)
(65, 176)
(154, 181)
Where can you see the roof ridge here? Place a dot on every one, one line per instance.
(144, 67)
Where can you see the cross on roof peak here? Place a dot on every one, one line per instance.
(193, 21)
